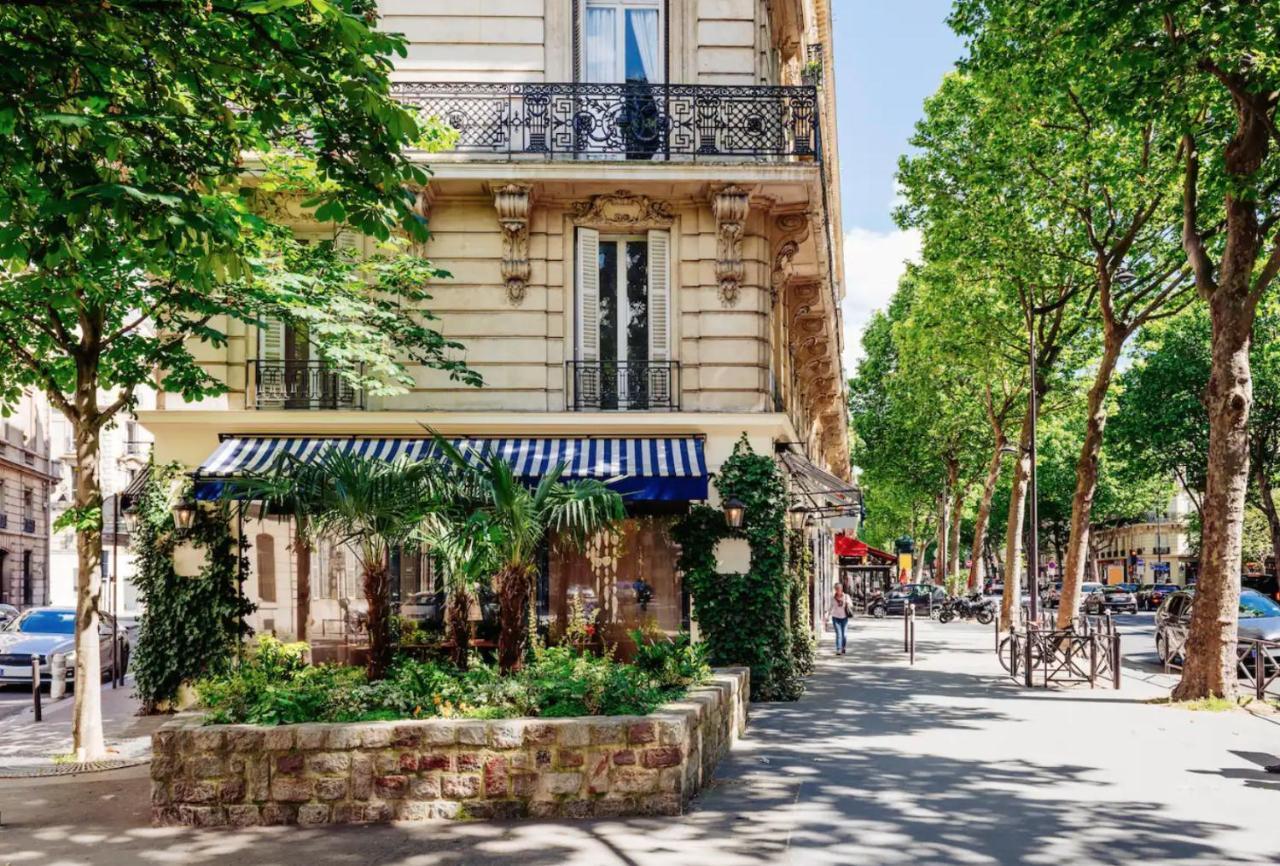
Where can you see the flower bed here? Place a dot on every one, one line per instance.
(446, 768)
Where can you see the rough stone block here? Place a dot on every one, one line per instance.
(278, 739)
(344, 737)
(413, 810)
(379, 812)
(660, 804)
(633, 780)
(331, 789)
(605, 732)
(291, 789)
(673, 732)
(329, 763)
(202, 816)
(577, 809)
(160, 794)
(472, 733)
(361, 777)
(641, 733)
(406, 736)
(375, 736)
(439, 733)
(542, 759)
(544, 809)
(257, 775)
(506, 735)
(671, 780)
(446, 809)
(569, 758)
(562, 783)
(207, 765)
(291, 764)
(311, 738)
(195, 792)
(425, 788)
(613, 807)
(231, 791)
(313, 813)
(386, 763)
(495, 777)
(206, 739)
(541, 734)
(663, 756)
(244, 739)
(243, 816)
(435, 761)
(455, 787)
(575, 733)
(391, 787)
(524, 785)
(624, 757)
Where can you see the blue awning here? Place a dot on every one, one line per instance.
(666, 468)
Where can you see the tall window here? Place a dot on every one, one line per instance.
(623, 42)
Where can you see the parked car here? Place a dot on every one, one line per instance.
(428, 608)
(995, 587)
(1052, 596)
(1152, 594)
(1115, 598)
(44, 631)
(1259, 620)
(918, 595)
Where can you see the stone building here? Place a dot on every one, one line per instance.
(641, 219)
(1152, 549)
(27, 476)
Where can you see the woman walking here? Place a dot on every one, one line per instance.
(840, 616)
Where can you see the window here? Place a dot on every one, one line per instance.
(623, 42)
(624, 319)
(265, 543)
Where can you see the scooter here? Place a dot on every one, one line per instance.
(972, 607)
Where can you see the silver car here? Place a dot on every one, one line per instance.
(1259, 620)
(44, 631)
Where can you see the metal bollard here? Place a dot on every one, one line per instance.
(1027, 673)
(913, 636)
(1259, 672)
(1115, 660)
(57, 676)
(35, 687)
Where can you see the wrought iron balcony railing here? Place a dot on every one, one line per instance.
(638, 386)
(624, 121)
(301, 385)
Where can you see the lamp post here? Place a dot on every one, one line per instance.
(796, 516)
(1033, 512)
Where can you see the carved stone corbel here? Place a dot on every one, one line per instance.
(730, 206)
(422, 204)
(512, 203)
(792, 229)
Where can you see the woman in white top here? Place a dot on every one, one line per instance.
(840, 616)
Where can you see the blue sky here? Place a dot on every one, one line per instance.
(889, 55)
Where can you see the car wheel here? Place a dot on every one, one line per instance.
(1161, 650)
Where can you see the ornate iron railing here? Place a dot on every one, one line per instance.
(624, 121)
(623, 385)
(301, 385)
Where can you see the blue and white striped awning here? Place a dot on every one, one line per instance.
(667, 468)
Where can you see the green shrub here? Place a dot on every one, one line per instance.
(672, 662)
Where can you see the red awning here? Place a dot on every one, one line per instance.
(847, 545)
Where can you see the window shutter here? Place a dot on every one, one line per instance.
(588, 294)
(576, 25)
(346, 239)
(271, 340)
(659, 296)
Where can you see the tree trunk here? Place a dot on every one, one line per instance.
(377, 583)
(459, 628)
(957, 512)
(302, 552)
(984, 513)
(514, 586)
(1210, 664)
(1012, 600)
(940, 556)
(1087, 478)
(86, 727)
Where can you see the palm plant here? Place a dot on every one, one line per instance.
(369, 504)
(520, 519)
(466, 545)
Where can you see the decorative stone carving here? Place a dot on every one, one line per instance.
(622, 210)
(422, 204)
(792, 229)
(730, 206)
(512, 204)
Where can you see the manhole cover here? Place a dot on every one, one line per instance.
(30, 771)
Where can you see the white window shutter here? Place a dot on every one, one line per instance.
(271, 340)
(588, 294)
(270, 380)
(659, 296)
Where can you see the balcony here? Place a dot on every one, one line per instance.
(29, 525)
(300, 385)
(636, 386)
(663, 122)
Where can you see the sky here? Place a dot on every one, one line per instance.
(889, 55)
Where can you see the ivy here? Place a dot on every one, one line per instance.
(745, 619)
(803, 645)
(192, 627)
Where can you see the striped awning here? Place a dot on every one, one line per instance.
(667, 468)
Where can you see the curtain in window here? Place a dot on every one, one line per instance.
(643, 27)
(601, 58)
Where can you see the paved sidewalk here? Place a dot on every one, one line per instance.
(881, 763)
(24, 741)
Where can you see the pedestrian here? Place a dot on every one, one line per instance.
(840, 616)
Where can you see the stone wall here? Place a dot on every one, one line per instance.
(240, 775)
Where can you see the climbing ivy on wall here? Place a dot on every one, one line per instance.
(745, 619)
(191, 626)
(803, 643)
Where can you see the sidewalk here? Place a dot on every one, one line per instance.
(26, 742)
(881, 763)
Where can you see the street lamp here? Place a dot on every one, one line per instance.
(735, 511)
(796, 517)
(184, 514)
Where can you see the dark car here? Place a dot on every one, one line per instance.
(923, 597)
(1118, 597)
(1152, 594)
(1259, 620)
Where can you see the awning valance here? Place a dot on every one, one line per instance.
(666, 468)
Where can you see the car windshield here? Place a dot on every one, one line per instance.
(46, 622)
(1256, 606)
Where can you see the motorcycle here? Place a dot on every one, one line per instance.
(971, 607)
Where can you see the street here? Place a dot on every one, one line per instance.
(944, 762)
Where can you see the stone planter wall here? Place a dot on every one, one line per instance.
(240, 775)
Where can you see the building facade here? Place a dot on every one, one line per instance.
(641, 220)
(27, 476)
(1154, 549)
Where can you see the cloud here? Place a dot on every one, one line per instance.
(873, 262)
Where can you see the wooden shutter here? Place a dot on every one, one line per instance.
(266, 544)
(588, 294)
(659, 296)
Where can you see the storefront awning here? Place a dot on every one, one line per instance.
(667, 469)
(819, 490)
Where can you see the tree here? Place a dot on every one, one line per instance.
(1209, 71)
(520, 519)
(466, 544)
(126, 232)
(371, 505)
